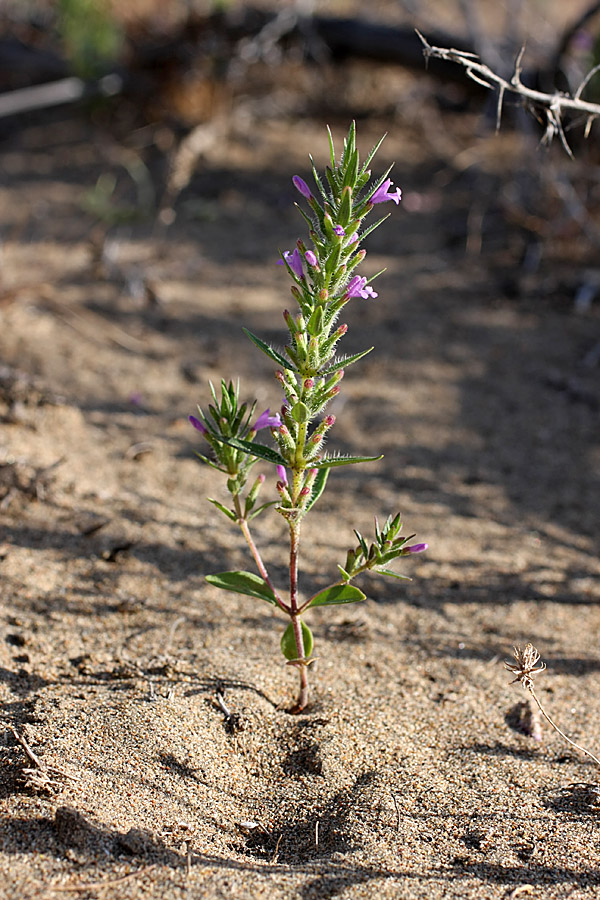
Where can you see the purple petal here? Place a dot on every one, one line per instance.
(382, 194)
(358, 287)
(266, 420)
(310, 258)
(198, 424)
(301, 185)
(417, 548)
(339, 231)
(282, 474)
(294, 261)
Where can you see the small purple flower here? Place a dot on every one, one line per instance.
(266, 420)
(301, 185)
(294, 261)
(339, 230)
(310, 258)
(358, 287)
(382, 194)
(417, 548)
(198, 424)
(282, 474)
(354, 238)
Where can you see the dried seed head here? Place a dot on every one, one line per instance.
(526, 666)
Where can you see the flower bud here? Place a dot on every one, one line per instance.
(302, 187)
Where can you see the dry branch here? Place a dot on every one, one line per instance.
(553, 105)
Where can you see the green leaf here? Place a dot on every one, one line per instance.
(300, 413)
(259, 509)
(345, 575)
(337, 593)
(391, 574)
(209, 462)
(329, 461)
(272, 354)
(243, 583)
(318, 487)
(258, 450)
(343, 363)
(288, 641)
(230, 515)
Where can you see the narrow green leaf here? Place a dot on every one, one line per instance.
(337, 593)
(288, 641)
(243, 583)
(273, 354)
(209, 462)
(318, 487)
(230, 515)
(345, 575)
(259, 509)
(392, 574)
(372, 154)
(258, 450)
(342, 362)
(331, 147)
(330, 461)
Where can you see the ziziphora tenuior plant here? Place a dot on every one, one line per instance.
(309, 372)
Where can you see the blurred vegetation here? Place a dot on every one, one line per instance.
(91, 37)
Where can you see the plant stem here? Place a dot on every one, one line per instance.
(556, 728)
(296, 621)
(245, 528)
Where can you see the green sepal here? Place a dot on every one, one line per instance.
(272, 354)
(228, 512)
(391, 574)
(300, 413)
(258, 450)
(331, 461)
(288, 641)
(337, 593)
(318, 487)
(243, 583)
(345, 209)
(343, 363)
(314, 326)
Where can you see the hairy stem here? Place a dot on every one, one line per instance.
(557, 729)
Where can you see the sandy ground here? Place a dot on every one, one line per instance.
(407, 777)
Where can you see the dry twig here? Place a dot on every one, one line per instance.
(527, 664)
(553, 105)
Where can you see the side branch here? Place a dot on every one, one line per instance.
(554, 105)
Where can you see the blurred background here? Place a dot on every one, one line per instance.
(146, 151)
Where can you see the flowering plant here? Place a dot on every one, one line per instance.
(309, 374)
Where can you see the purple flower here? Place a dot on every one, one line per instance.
(358, 287)
(198, 424)
(294, 261)
(382, 194)
(417, 548)
(266, 420)
(310, 258)
(354, 238)
(302, 186)
(339, 230)
(282, 474)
